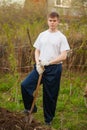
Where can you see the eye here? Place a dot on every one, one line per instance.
(50, 20)
(54, 20)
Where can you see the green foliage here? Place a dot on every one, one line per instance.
(70, 110)
(7, 82)
(13, 31)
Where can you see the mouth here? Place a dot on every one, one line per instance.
(52, 25)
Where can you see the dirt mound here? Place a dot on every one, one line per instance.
(17, 121)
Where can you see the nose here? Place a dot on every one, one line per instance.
(52, 22)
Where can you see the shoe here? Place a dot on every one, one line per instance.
(48, 123)
(26, 111)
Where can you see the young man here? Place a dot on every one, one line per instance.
(50, 50)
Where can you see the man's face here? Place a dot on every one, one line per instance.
(53, 23)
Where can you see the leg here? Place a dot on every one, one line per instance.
(27, 88)
(51, 85)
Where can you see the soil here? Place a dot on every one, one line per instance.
(18, 121)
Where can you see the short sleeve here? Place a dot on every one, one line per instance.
(37, 42)
(64, 45)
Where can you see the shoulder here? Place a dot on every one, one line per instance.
(43, 33)
(61, 35)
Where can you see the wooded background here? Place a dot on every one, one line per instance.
(19, 27)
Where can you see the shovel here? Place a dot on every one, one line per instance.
(35, 96)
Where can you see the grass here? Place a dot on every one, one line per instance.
(71, 112)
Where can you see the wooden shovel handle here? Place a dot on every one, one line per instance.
(36, 92)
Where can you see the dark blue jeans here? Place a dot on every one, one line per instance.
(51, 84)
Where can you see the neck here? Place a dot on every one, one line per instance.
(53, 30)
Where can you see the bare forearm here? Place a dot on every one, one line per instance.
(37, 53)
(60, 58)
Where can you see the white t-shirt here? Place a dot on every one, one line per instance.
(51, 44)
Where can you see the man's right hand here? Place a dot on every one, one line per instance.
(40, 69)
(45, 63)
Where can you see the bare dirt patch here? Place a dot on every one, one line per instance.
(17, 121)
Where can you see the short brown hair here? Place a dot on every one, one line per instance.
(53, 14)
